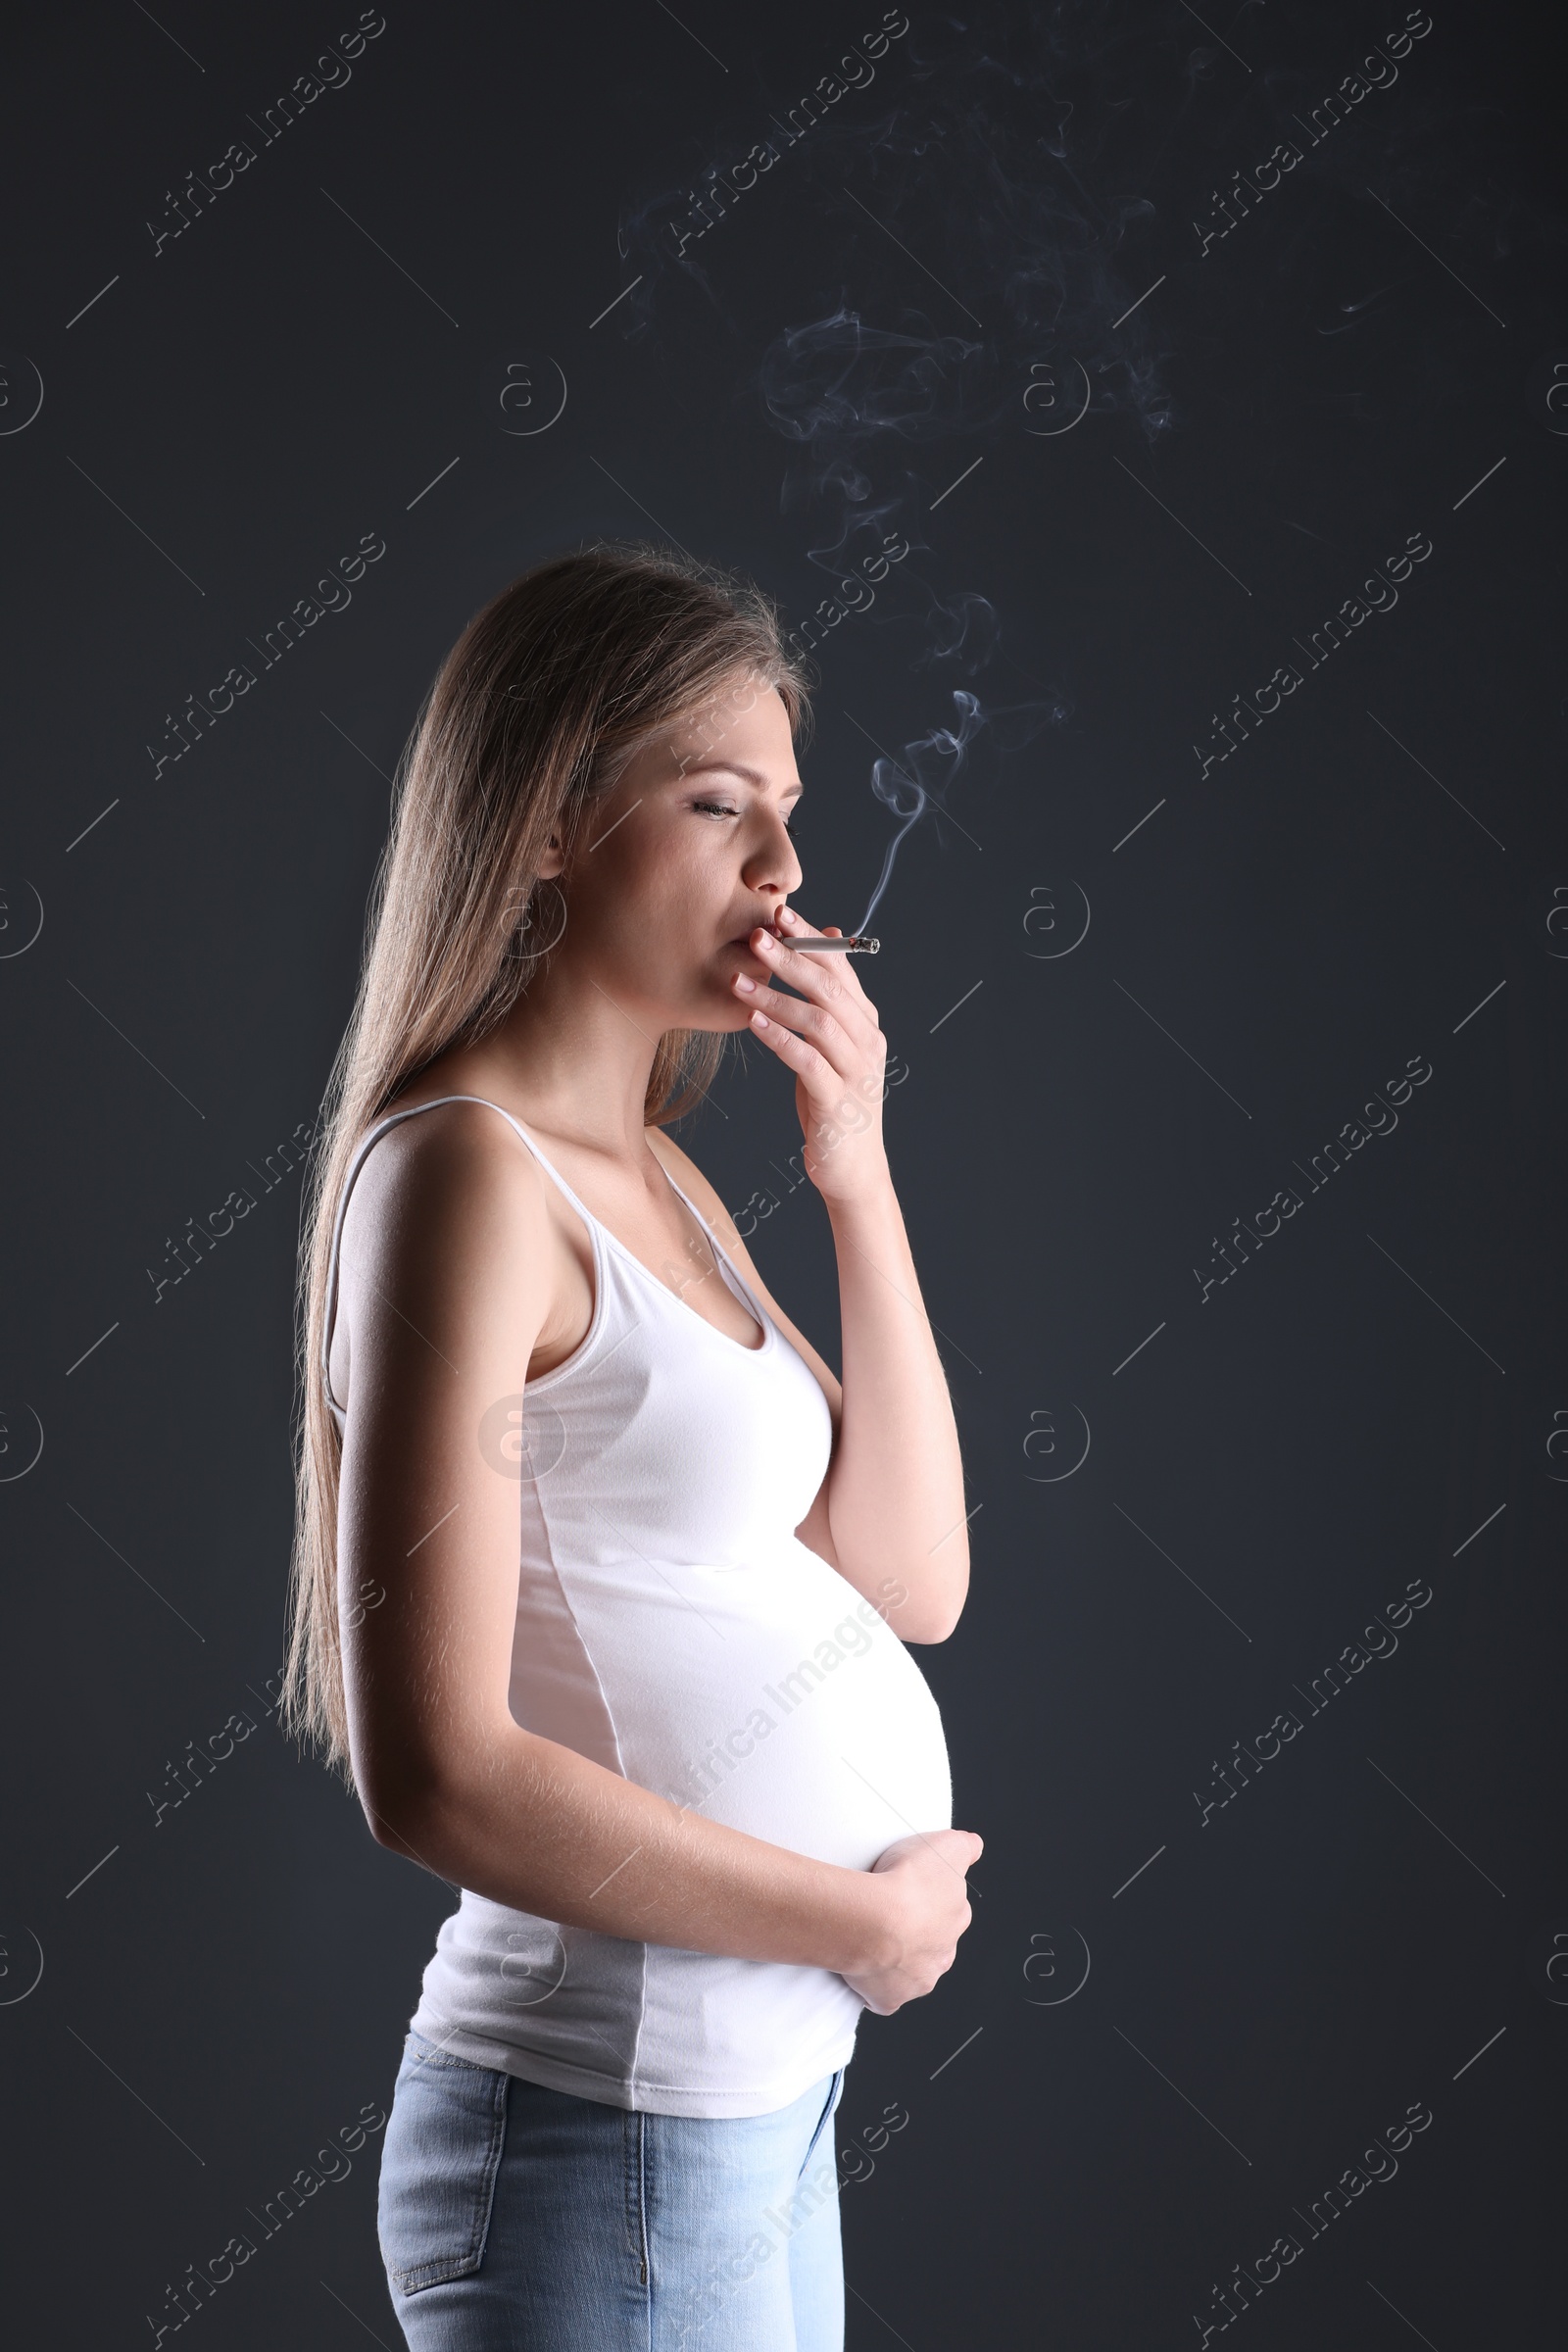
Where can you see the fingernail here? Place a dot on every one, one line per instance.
(749, 986)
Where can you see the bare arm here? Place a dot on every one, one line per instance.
(448, 1287)
(895, 1495)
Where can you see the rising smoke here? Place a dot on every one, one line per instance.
(971, 153)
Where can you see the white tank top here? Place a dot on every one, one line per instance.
(672, 1627)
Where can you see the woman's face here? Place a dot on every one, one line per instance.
(687, 856)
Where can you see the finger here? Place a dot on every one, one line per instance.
(794, 925)
(821, 1080)
(841, 1102)
(821, 963)
(853, 1046)
(840, 990)
(835, 1109)
(840, 1052)
(790, 919)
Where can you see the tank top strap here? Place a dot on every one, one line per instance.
(373, 1135)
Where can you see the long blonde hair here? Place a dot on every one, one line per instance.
(532, 717)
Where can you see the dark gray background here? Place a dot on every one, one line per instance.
(1079, 1118)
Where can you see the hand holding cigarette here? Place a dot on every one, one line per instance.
(831, 1039)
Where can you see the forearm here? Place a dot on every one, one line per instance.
(895, 1491)
(544, 1829)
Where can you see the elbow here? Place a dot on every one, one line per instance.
(401, 1810)
(931, 1620)
(944, 1608)
(428, 1798)
(932, 1629)
(390, 1823)
(934, 1616)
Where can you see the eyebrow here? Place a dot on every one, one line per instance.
(733, 767)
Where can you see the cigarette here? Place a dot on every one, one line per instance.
(855, 946)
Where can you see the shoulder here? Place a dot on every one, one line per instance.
(448, 1275)
(452, 1186)
(448, 1147)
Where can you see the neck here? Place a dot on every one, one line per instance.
(574, 1060)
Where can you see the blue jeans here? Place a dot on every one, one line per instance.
(516, 2219)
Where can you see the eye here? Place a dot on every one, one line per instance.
(724, 809)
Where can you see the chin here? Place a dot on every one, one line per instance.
(727, 1014)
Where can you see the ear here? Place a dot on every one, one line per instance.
(553, 861)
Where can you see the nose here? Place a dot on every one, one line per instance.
(772, 864)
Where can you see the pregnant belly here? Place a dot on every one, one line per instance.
(772, 1697)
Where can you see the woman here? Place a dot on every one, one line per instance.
(602, 1584)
